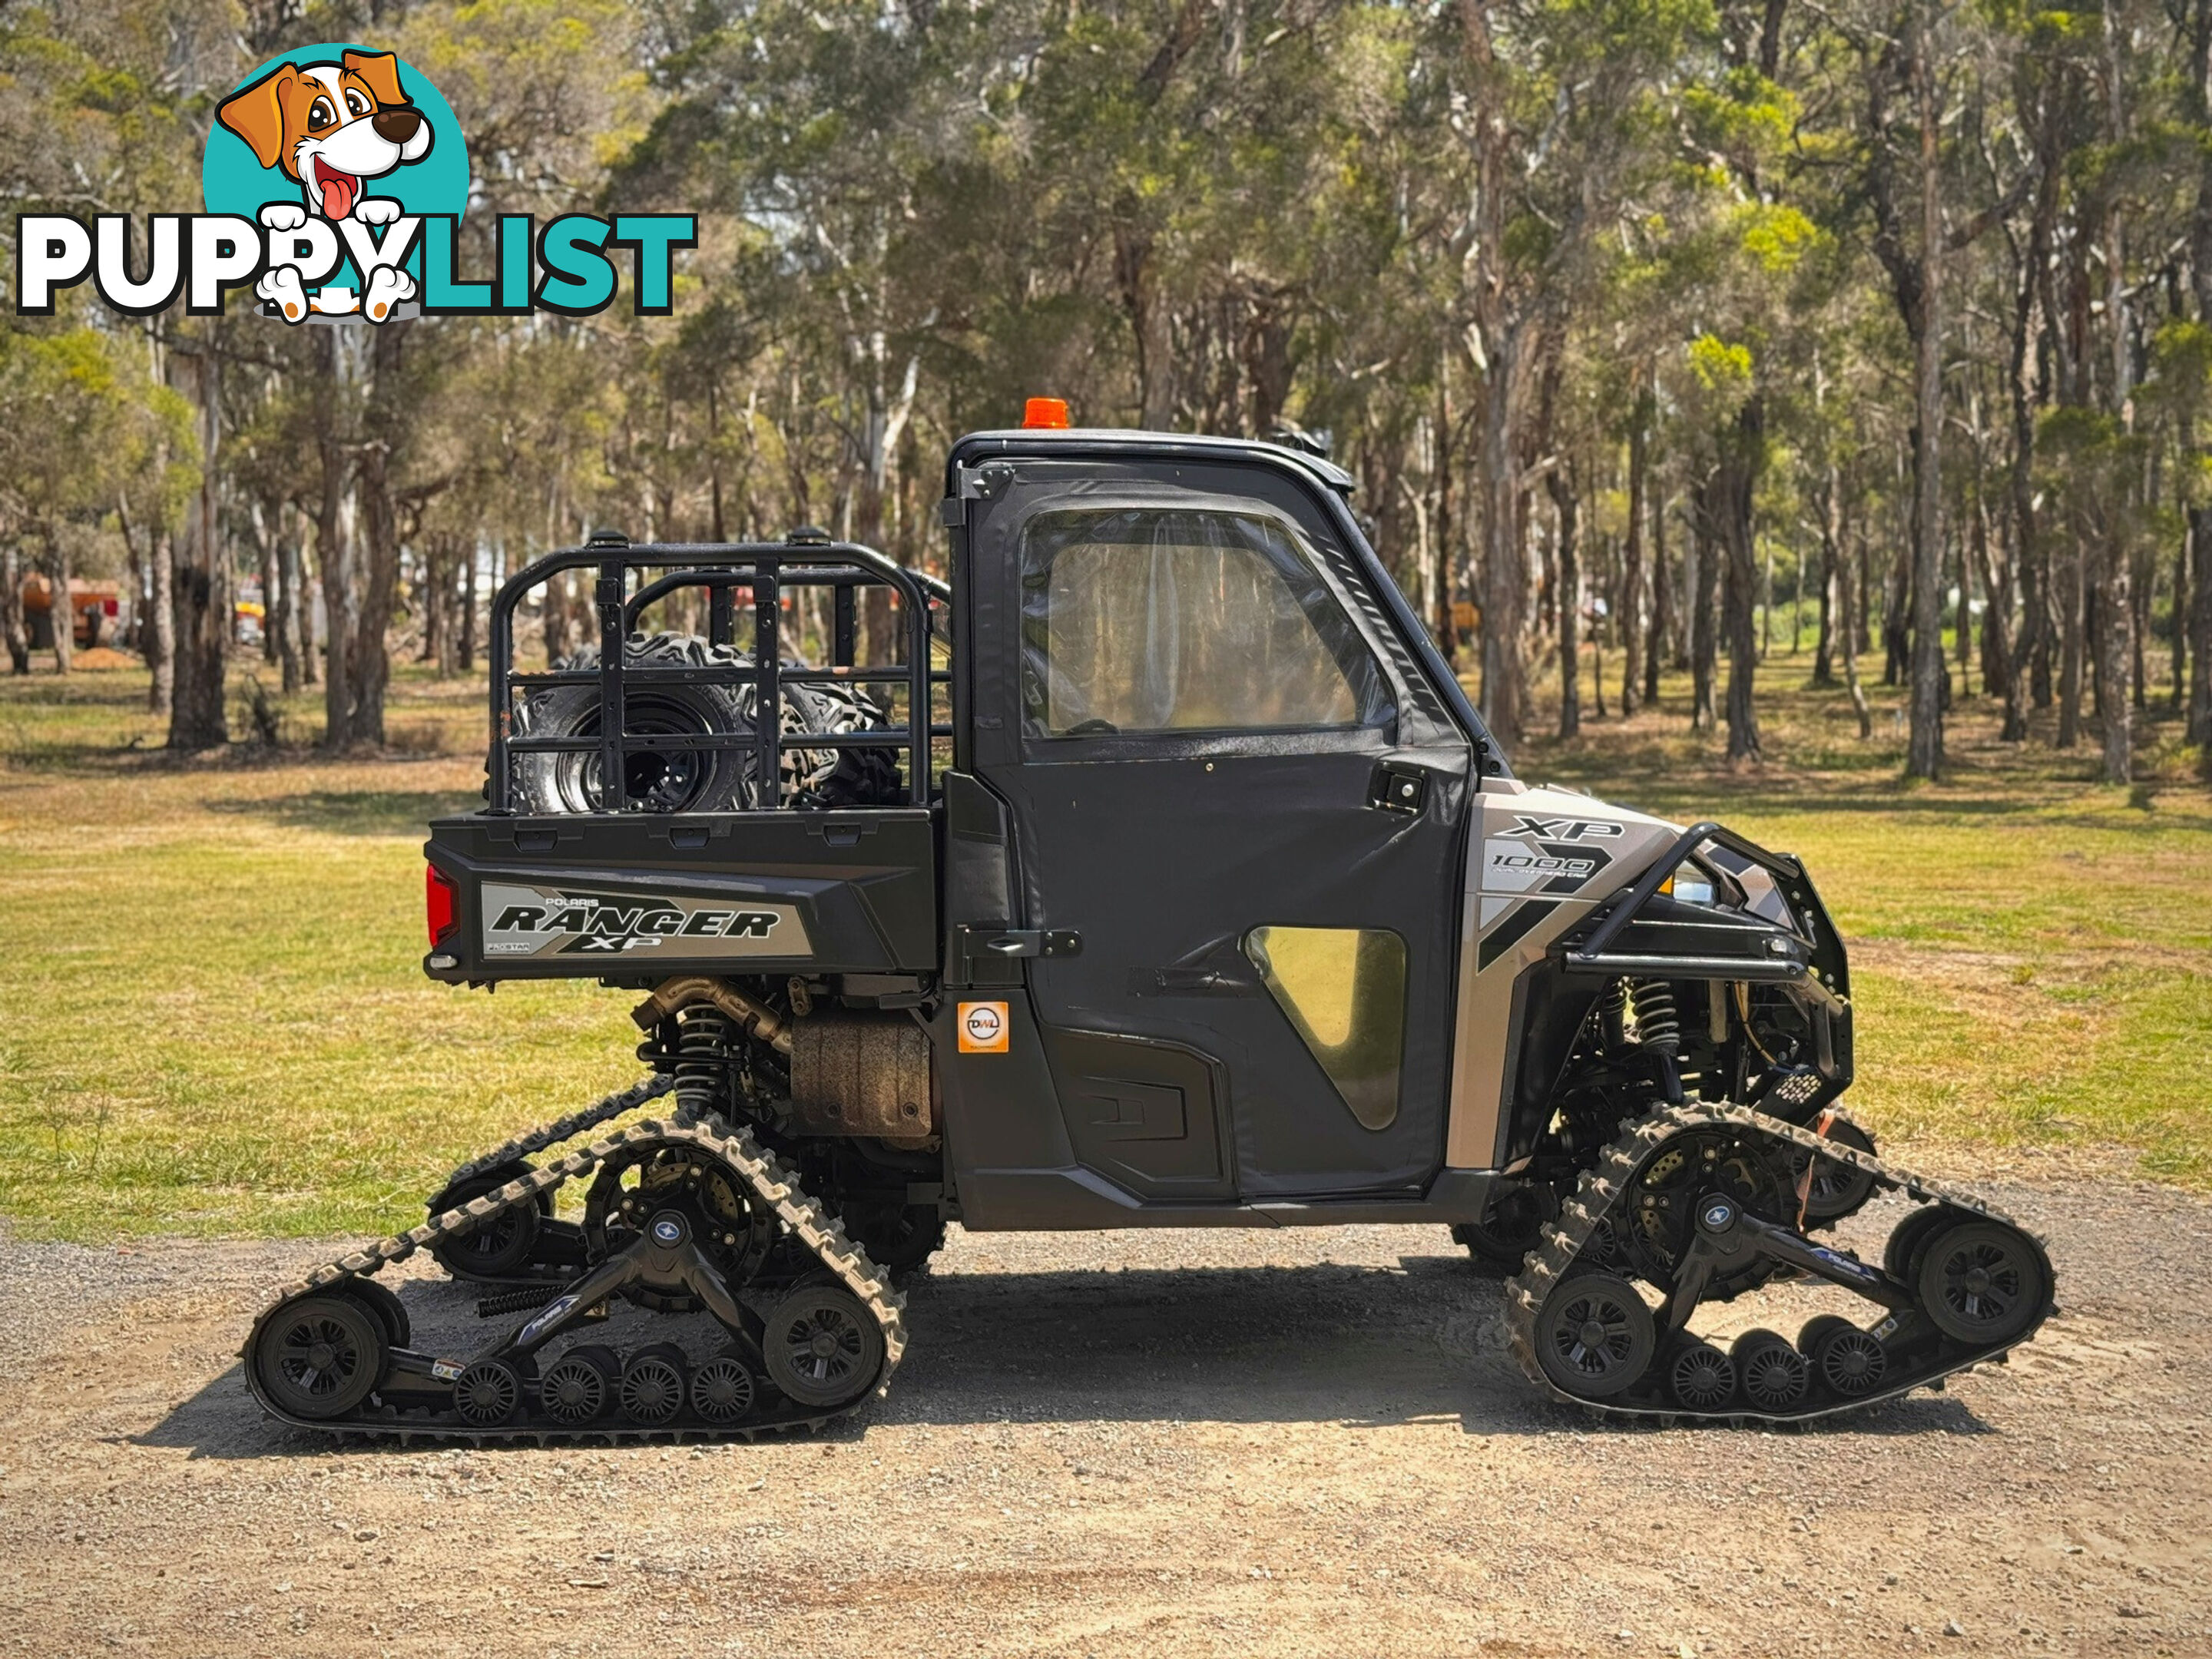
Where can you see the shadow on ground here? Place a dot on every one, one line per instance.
(1361, 1346)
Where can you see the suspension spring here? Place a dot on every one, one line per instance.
(702, 1059)
(1659, 1029)
(1658, 1022)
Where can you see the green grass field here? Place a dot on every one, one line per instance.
(212, 1019)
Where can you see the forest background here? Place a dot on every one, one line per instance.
(1659, 334)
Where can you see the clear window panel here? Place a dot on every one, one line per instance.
(1150, 620)
(1343, 989)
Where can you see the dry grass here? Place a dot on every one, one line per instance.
(213, 1019)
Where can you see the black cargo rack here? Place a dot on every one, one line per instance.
(766, 568)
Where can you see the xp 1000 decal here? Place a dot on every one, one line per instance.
(550, 921)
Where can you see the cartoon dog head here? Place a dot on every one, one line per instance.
(331, 127)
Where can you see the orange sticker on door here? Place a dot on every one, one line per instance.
(982, 1028)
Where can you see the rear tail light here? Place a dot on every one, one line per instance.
(440, 904)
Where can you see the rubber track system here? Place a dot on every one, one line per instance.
(769, 1177)
(1599, 1197)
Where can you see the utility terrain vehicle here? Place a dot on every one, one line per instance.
(1165, 878)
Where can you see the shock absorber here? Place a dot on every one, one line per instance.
(702, 1059)
(1659, 1027)
(1612, 1014)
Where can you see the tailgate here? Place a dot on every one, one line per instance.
(638, 898)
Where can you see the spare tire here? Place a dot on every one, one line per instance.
(838, 777)
(678, 779)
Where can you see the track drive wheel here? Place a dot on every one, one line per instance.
(1657, 1219)
(1595, 1336)
(319, 1358)
(823, 1346)
(1982, 1281)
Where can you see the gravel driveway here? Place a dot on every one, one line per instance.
(1286, 1443)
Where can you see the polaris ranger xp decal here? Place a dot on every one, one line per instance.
(543, 921)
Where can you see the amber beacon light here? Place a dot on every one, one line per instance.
(1045, 412)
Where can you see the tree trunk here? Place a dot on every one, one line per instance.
(2000, 660)
(1662, 603)
(381, 438)
(470, 554)
(286, 610)
(2177, 630)
(161, 620)
(334, 550)
(1568, 599)
(1735, 479)
(264, 538)
(1631, 557)
(1847, 590)
(2115, 595)
(200, 590)
(1444, 531)
(12, 630)
(1923, 755)
(2072, 601)
(61, 610)
(2116, 636)
(2200, 627)
(1504, 556)
(1136, 275)
(2197, 87)
(1824, 653)
(1704, 551)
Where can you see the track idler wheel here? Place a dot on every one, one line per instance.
(1982, 1282)
(580, 1386)
(1833, 1189)
(1900, 1256)
(654, 1384)
(1772, 1374)
(500, 1248)
(822, 1345)
(1701, 1378)
(320, 1357)
(1594, 1335)
(1850, 1361)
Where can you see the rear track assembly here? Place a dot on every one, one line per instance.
(331, 1352)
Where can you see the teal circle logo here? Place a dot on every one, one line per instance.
(327, 147)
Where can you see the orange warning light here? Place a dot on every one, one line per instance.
(1045, 412)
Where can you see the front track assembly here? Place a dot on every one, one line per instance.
(711, 1213)
(1687, 1202)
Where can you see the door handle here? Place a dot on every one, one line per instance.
(1398, 787)
(1005, 943)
